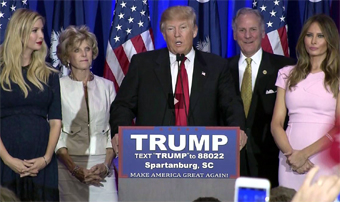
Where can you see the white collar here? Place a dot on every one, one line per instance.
(256, 58)
(190, 56)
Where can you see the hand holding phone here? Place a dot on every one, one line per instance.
(251, 190)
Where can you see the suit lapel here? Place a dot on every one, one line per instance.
(265, 70)
(200, 75)
(264, 73)
(233, 64)
(162, 71)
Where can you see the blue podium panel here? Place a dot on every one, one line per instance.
(179, 152)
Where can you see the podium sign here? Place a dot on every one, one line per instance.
(179, 152)
(177, 163)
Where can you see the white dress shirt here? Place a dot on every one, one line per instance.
(255, 65)
(189, 66)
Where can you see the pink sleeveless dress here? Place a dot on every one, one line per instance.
(311, 110)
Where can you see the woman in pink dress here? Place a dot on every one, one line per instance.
(310, 92)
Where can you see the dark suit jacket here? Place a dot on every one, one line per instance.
(146, 93)
(261, 149)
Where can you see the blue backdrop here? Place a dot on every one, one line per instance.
(98, 15)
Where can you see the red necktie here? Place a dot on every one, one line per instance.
(182, 96)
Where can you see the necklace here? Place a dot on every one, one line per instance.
(90, 78)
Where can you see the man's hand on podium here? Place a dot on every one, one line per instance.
(115, 144)
(243, 139)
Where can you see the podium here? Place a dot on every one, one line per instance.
(177, 163)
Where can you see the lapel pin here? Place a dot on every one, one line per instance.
(264, 72)
(203, 73)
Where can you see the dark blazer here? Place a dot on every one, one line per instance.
(261, 153)
(146, 93)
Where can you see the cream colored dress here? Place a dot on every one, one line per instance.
(86, 135)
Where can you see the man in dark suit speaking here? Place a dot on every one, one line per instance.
(178, 85)
(255, 72)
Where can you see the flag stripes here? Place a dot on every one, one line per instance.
(130, 34)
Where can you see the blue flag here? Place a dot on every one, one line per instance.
(7, 8)
(335, 14)
(66, 12)
(209, 35)
(316, 7)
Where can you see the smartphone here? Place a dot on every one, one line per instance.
(249, 189)
(337, 199)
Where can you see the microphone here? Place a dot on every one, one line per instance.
(179, 59)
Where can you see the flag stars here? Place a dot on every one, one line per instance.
(121, 15)
(144, 2)
(142, 13)
(24, 2)
(128, 31)
(254, 4)
(116, 39)
(140, 23)
(123, 4)
(13, 8)
(130, 20)
(269, 24)
(118, 27)
(3, 3)
(263, 8)
(274, 19)
(282, 18)
(272, 13)
(1, 14)
(133, 8)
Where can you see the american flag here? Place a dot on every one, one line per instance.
(274, 14)
(7, 8)
(130, 34)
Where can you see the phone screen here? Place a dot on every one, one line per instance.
(246, 194)
(337, 199)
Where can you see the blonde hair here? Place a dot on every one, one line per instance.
(6, 195)
(16, 39)
(330, 65)
(71, 38)
(178, 13)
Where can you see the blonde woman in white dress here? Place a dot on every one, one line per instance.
(84, 149)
